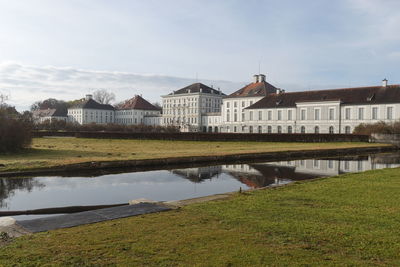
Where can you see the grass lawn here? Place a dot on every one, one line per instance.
(48, 152)
(351, 219)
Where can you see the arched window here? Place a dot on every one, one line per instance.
(316, 130)
(303, 129)
(331, 130)
(347, 130)
(209, 129)
(259, 129)
(279, 129)
(289, 129)
(269, 129)
(251, 129)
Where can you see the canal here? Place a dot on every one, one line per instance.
(176, 184)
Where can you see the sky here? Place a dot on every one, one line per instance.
(67, 48)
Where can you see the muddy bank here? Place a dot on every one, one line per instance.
(165, 163)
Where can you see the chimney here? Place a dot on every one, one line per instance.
(88, 97)
(384, 82)
(261, 78)
(278, 91)
(255, 77)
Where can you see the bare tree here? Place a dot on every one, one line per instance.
(103, 96)
(3, 98)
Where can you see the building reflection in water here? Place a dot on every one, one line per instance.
(275, 173)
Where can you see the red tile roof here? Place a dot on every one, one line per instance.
(255, 89)
(137, 102)
(349, 96)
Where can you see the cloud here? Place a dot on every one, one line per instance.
(26, 84)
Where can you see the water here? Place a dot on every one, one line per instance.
(163, 185)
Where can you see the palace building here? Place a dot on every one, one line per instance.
(258, 107)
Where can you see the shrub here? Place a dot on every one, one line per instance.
(15, 129)
(111, 127)
(379, 127)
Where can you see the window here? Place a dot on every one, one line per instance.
(251, 129)
(360, 113)
(269, 129)
(269, 115)
(389, 113)
(303, 129)
(235, 116)
(251, 115)
(234, 129)
(347, 113)
(346, 165)
(227, 117)
(279, 129)
(279, 115)
(243, 104)
(289, 115)
(316, 130)
(347, 130)
(359, 165)
(243, 116)
(331, 114)
(331, 130)
(235, 104)
(289, 129)
(303, 114)
(316, 114)
(259, 129)
(330, 164)
(227, 104)
(316, 163)
(260, 115)
(374, 113)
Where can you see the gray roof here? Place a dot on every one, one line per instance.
(51, 112)
(92, 104)
(348, 96)
(196, 88)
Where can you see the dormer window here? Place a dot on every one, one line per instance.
(371, 97)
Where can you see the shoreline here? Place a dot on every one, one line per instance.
(163, 163)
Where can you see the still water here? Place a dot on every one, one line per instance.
(177, 184)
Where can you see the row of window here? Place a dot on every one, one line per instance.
(235, 104)
(191, 102)
(279, 129)
(317, 114)
(132, 112)
(180, 120)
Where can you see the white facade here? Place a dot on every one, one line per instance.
(318, 117)
(212, 122)
(184, 108)
(88, 116)
(136, 117)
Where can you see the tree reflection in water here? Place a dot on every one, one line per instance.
(8, 186)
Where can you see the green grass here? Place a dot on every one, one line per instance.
(346, 220)
(50, 152)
